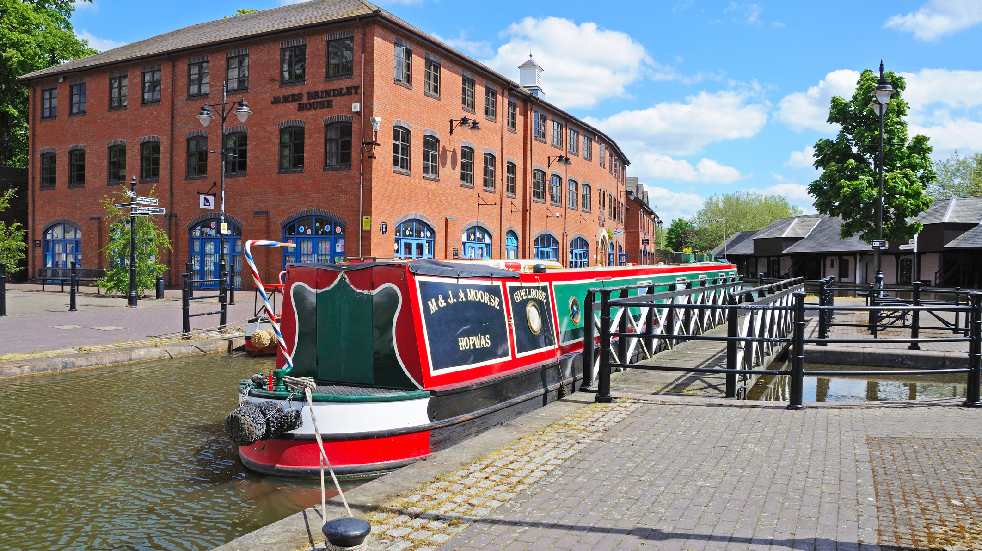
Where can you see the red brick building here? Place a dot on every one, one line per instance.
(354, 147)
(640, 225)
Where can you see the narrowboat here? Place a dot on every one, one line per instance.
(410, 357)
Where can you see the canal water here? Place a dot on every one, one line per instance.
(132, 458)
(857, 388)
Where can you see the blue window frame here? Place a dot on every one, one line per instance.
(476, 242)
(206, 255)
(319, 240)
(621, 255)
(511, 245)
(415, 239)
(62, 246)
(610, 253)
(546, 247)
(579, 253)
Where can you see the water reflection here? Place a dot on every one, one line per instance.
(857, 388)
(132, 458)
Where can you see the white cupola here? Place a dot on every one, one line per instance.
(530, 76)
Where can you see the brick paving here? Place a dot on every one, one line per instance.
(39, 321)
(684, 473)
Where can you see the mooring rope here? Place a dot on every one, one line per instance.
(308, 385)
(267, 305)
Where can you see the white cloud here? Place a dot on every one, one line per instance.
(959, 134)
(803, 158)
(795, 193)
(473, 48)
(657, 166)
(937, 18)
(79, 5)
(101, 44)
(605, 62)
(670, 204)
(809, 110)
(683, 128)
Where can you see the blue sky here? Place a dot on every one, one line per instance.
(705, 96)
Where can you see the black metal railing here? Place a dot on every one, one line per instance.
(188, 296)
(785, 320)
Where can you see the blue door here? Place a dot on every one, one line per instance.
(579, 253)
(546, 247)
(206, 254)
(511, 245)
(62, 246)
(610, 254)
(414, 239)
(476, 242)
(319, 240)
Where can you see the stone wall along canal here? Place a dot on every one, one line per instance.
(132, 458)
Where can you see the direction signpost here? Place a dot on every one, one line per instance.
(139, 206)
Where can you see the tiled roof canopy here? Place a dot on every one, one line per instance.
(825, 238)
(960, 210)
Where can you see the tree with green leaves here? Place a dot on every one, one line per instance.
(957, 176)
(12, 244)
(848, 185)
(723, 215)
(151, 243)
(681, 234)
(34, 35)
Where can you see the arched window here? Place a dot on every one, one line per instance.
(610, 254)
(621, 255)
(206, 255)
(579, 253)
(574, 194)
(538, 185)
(586, 197)
(415, 239)
(400, 148)
(556, 190)
(511, 245)
(489, 172)
(431, 156)
(467, 166)
(319, 239)
(476, 242)
(62, 245)
(337, 145)
(546, 247)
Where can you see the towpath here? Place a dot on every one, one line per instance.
(39, 321)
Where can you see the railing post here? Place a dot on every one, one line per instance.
(231, 284)
(622, 329)
(189, 269)
(687, 312)
(222, 294)
(798, 353)
(669, 328)
(823, 319)
(974, 352)
(915, 318)
(589, 346)
(3, 290)
(72, 288)
(186, 302)
(603, 387)
(732, 332)
(874, 315)
(649, 323)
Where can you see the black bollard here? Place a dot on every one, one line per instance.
(346, 532)
(798, 353)
(3, 291)
(160, 288)
(186, 303)
(222, 294)
(72, 288)
(972, 399)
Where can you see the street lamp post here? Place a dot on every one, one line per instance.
(881, 99)
(131, 296)
(242, 112)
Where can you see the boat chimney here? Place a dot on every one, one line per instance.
(530, 76)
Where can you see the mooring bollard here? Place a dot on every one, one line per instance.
(186, 303)
(974, 351)
(732, 332)
(3, 291)
(346, 532)
(72, 288)
(915, 318)
(798, 353)
(603, 388)
(588, 344)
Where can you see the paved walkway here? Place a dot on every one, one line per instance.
(39, 321)
(681, 473)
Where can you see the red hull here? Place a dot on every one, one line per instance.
(367, 456)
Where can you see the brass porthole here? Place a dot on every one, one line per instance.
(533, 317)
(574, 310)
